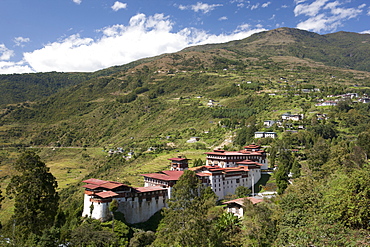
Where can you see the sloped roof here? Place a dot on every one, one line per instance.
(106, 194)
(93, 183)
(91, 186)
(149, 189)
(252, 146)
(178, 159)
(240, 201)
(249, 162)
(111, 185)
(165, 175)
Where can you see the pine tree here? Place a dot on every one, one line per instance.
(35, 196)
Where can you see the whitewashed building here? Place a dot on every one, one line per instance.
(236, 206)
(224, 172)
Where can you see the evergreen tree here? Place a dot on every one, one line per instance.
(296, 169)
(185, 222)
(113, 206)
(242, 191)
(35, 196)
(260, 224)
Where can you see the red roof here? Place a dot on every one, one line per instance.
(225, 153)
(240, 201)
(106, 194)
(91, 186)
(94, 183)
(249, 162)
(252, 146)
(149, 189)
(165, 175)
(204, 174)
(111, 185)
(178, 159)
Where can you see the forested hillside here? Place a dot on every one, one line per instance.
(127, 120)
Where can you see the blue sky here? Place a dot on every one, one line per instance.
(88, 35)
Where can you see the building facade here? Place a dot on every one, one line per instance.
(224, 172)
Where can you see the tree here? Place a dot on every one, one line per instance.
(91, 233)
(260, 224)
(363, 141)
(141, 239)
(35, 195)
(198, 162)
(281, 177)
(318, 155)
(113, 206)
(296, 169)
(242, 191)
(185, 222)
(347, 199)
(228, 226)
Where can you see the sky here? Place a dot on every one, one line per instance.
(89, 35)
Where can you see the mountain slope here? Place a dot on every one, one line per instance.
(169, 95)
(342, 49)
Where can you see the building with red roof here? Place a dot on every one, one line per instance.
(179, 163)
(224, 172)
(137, 204)
(237, 206)
(226, 159)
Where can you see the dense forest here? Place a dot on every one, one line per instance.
(57, 129)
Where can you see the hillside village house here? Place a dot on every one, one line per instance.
(224, 172)
(268, 123)
(265, 134)
(292, 117)
(236, 206)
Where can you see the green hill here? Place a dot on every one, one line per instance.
(166, 95)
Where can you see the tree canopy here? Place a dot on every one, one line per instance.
(35, 195)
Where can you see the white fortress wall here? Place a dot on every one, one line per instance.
(139, 211)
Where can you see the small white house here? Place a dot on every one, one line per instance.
(236, 206)
(259, 134)
(268, 123)
(265, 134)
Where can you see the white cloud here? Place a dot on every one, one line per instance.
(200, 7)
(118, 5)
(365, 32)
(144, 36)
(309, 9)
(243, 27)
(14, 68)
(223, 18)
(362, 6)
(183, 7)
(19, 41)
(265, 4)
(5, 53)
(325, 16)
(255, 6)
(77, 1)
